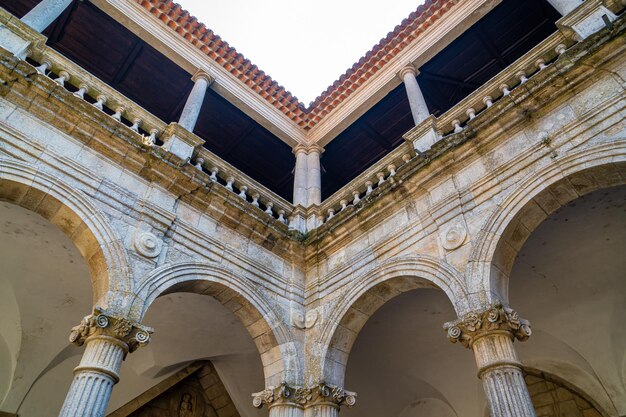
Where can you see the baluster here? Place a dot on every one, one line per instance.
(541, 64)
(136, 124)
(392, 170)
(281, 216)
(344, 204)
(213, 176)
(199, 163)
(471, 113)
(331, 214)
(560, 49)
(242, 192)
(119, 111)
(488, 101)
(268, 208)
(82, 89)
(356, 197)
(150, 140)
(406, 158)
(457, 126)
(381, 178)
(522, 77)
(63, 77)
(255, 199)
(229, 183)
(505, 90)
(45, 66)
(101, 101)
(369, 185)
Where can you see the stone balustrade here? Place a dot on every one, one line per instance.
(452, 122)
(241, 185)
(85, 86)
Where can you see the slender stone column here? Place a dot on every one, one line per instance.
(40, 17)
(565, 6)
(490, 335)
(191, 111)
(318, 401)
(314, 175)
(300, 177)
(419, 109)
(107, 341)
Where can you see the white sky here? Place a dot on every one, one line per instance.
(304, 46)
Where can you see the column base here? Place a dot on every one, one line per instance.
(587, 19)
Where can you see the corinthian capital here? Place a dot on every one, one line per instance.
(495, 319)
(99, 323)
(304, 396)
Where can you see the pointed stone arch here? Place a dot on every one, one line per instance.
(368, 293)
(270, 334)
(71, 210)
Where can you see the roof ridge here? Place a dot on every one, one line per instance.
(189, 27)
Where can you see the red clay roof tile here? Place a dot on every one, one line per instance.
(175, 17)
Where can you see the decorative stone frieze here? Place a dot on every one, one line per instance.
(99, 323)
(496, 319)
(305, 397)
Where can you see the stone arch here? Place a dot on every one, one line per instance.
(69, 209)
(534, 198)
(373, 289)
(268, 331)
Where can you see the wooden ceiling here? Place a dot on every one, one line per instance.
(105, 48)
(498, 39)
(95, 41)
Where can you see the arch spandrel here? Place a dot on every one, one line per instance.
(367, 294)
(272, 337)
(534, 198)
(69, 209)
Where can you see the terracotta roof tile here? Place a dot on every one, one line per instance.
(175, 17)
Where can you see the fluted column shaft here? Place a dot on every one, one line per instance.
(419, 109)
(490, 334)
(40, 16)
(322, 410)
(300, 177)
(193, 105)
(107, 341)
(286, 410)
(500, 370)
(94, 378)
(565, 6)
(314, 176)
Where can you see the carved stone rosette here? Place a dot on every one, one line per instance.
(304, 397)
(496, 318)
(99, 323)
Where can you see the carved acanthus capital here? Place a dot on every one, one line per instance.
(304, 396)
(496, 318)
(101, 324)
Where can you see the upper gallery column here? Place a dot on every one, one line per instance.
(107, 341)
(565, 6)
(419, 110)
(300, 176)
(314, 175)
(490, 334)
(45, 13)
(191, 111)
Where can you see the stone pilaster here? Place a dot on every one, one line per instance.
(490, 334)
(107, 341)
(318, 401)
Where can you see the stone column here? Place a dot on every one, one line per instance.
(314, 175)
(191, 111)
(419, 110)
(319, 401)
(300, 175)
(40, 17)
(490, 334)
(107, 341)
(565, 6)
